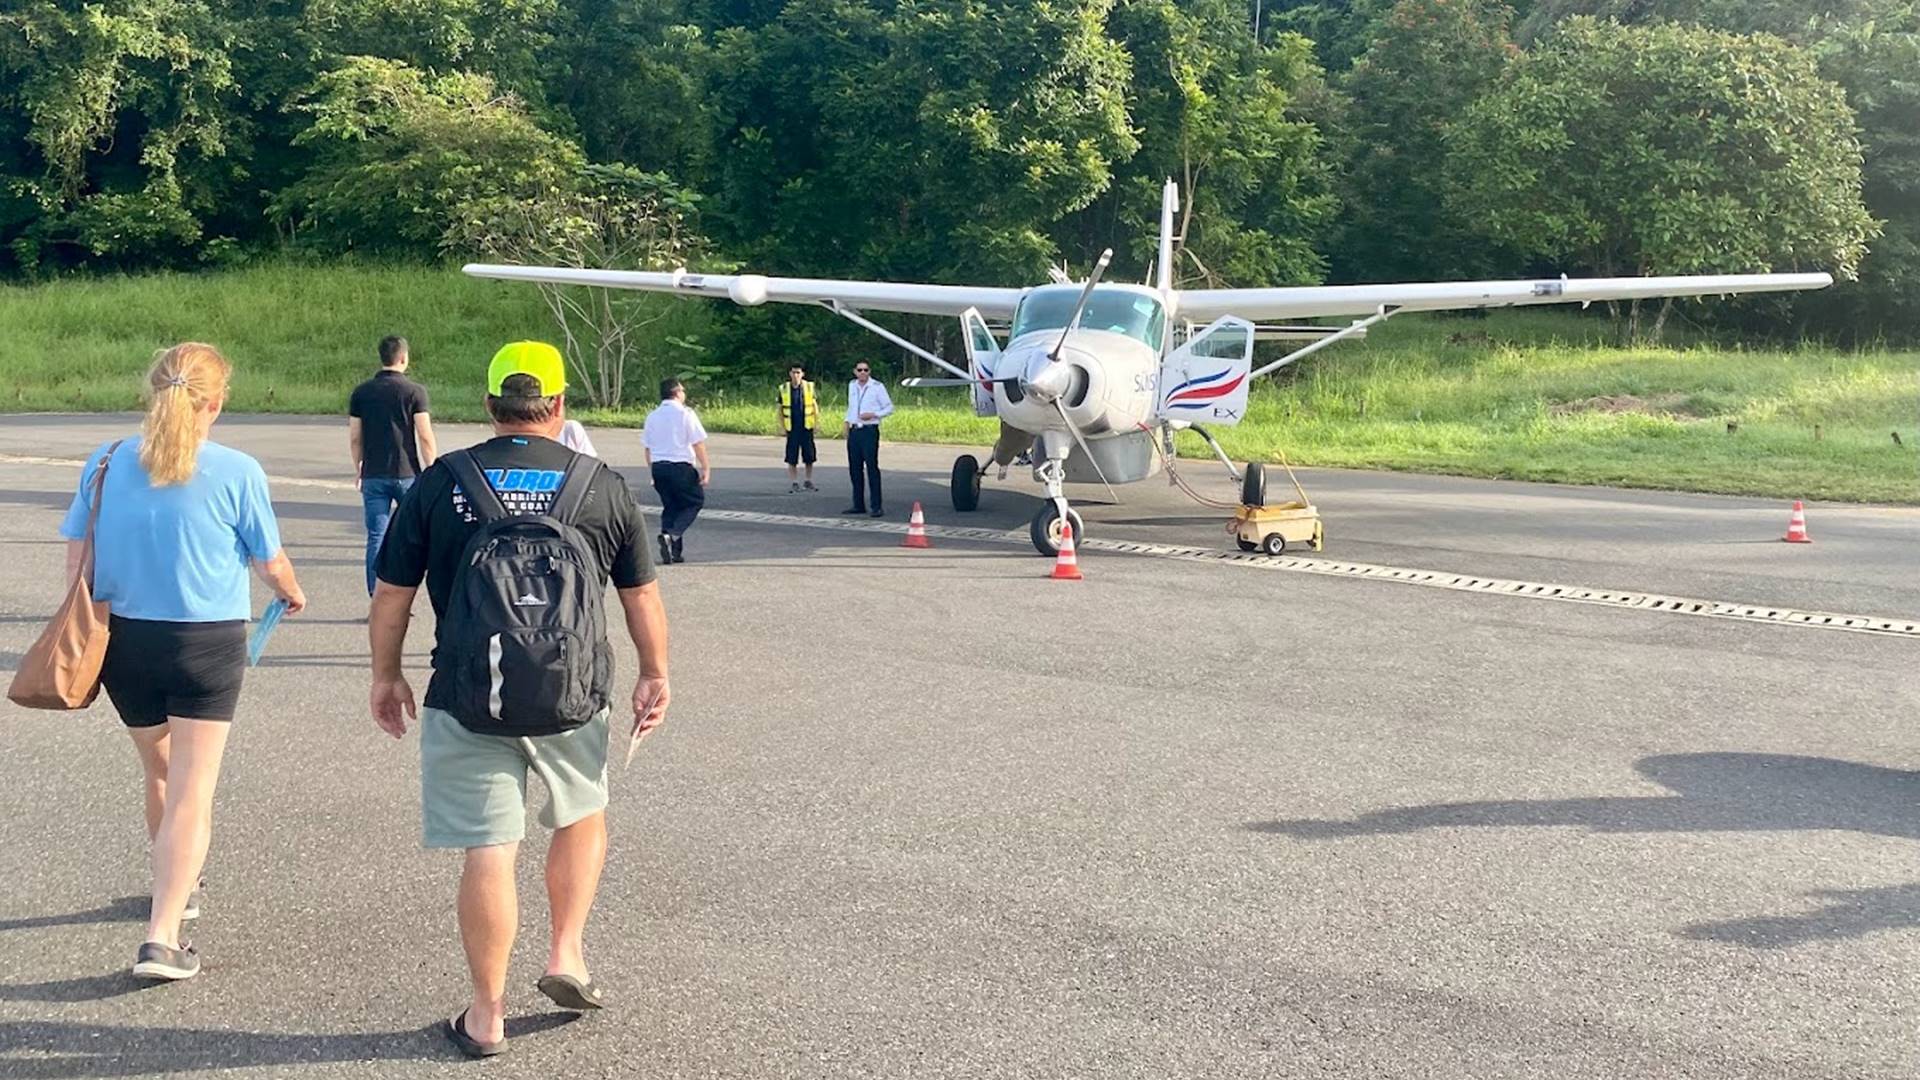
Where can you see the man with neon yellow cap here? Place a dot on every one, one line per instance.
(517, 573)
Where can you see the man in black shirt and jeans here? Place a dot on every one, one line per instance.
(473, 780)
(391, 438)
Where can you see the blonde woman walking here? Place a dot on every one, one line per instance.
(182, 520)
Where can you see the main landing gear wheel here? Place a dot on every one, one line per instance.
(1046, 533)
(966, 483)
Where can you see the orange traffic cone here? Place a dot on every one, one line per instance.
(1797, 526)
(1066, 567)
(917, 530)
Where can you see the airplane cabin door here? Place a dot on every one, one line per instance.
(1205, 380)
(983, 358)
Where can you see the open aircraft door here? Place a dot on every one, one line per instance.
(983, 358)
(1206, 380)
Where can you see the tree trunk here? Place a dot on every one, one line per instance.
(1660, 320)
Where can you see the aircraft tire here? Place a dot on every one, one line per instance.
(966, 483)
(1045, 529)
(1253, 489)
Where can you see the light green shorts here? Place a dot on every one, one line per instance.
(473, 788)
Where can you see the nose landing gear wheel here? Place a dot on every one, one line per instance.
(966, 483)
(1045, 529)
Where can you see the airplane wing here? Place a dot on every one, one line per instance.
(750, 290)
(1206, 305)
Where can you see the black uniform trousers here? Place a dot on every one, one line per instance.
(681, 495)
(863, 464)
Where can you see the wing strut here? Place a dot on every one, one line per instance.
(1358, 327)
(865, 323)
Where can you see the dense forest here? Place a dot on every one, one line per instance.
(964, 140)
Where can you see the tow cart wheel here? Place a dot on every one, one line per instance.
(1253, 489)
(966, 483)
(1273, 544)
(1045, 529)
(1246, 545)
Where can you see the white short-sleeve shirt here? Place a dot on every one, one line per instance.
(671, 432)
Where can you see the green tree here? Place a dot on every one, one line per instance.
(1871, 48)
(398, 151)
(1430, 60)
(934, 140)
(119, 120)
(610, 218)
(1212, 109)
(1664, 149)
(634, 78)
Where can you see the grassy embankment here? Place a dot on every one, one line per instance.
(1525, 395)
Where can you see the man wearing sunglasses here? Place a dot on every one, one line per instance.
(867, 405)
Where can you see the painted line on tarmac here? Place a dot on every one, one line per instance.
(1400, 575)
(1433, 579)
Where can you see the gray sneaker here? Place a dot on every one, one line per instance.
(156, 961)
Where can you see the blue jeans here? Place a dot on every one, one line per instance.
(379, 496)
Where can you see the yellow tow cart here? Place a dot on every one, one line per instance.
(1273, 528)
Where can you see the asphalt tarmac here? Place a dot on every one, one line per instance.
(929, 814)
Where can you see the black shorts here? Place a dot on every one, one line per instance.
(154, 670)
(800, 446)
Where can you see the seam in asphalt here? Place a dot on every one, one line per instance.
(1770, 614)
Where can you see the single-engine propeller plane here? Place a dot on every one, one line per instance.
(1107, 368)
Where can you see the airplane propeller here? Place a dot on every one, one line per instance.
(1061, 408)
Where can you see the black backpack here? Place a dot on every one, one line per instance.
(526, 631)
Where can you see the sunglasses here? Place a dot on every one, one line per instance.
(859, 371)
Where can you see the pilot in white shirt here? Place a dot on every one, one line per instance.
(867, 405)
(676, 449)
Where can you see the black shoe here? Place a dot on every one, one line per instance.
(456, 1030)
(679, 549)
(666, 549)
(570, 993)
(877, 512)
(852, 511)
(156, 961)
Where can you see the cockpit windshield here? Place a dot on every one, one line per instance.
(1121, 311)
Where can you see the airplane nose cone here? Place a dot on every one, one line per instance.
(1048, 379)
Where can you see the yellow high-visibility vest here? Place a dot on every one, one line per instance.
(785, 407)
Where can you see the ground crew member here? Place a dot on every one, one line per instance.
(867, 405)
(676, 449)
(799, 417)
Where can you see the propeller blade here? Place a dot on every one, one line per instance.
(918, 382)
(1079, 309)
(1077, 437)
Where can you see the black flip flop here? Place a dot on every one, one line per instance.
(457, 1034)
(570, 993)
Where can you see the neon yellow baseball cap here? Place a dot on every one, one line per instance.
(535, 358)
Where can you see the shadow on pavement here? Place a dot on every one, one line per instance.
(77, 1049)
(1848, 913)
(1717, 792)
(113, 984)
(125, 909)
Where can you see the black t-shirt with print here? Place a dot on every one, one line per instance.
(431, 527)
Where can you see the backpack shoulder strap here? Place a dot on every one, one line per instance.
(573, 488)
(472, 480)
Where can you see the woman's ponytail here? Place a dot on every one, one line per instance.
(184, 382)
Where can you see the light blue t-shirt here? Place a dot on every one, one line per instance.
(177, 553)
